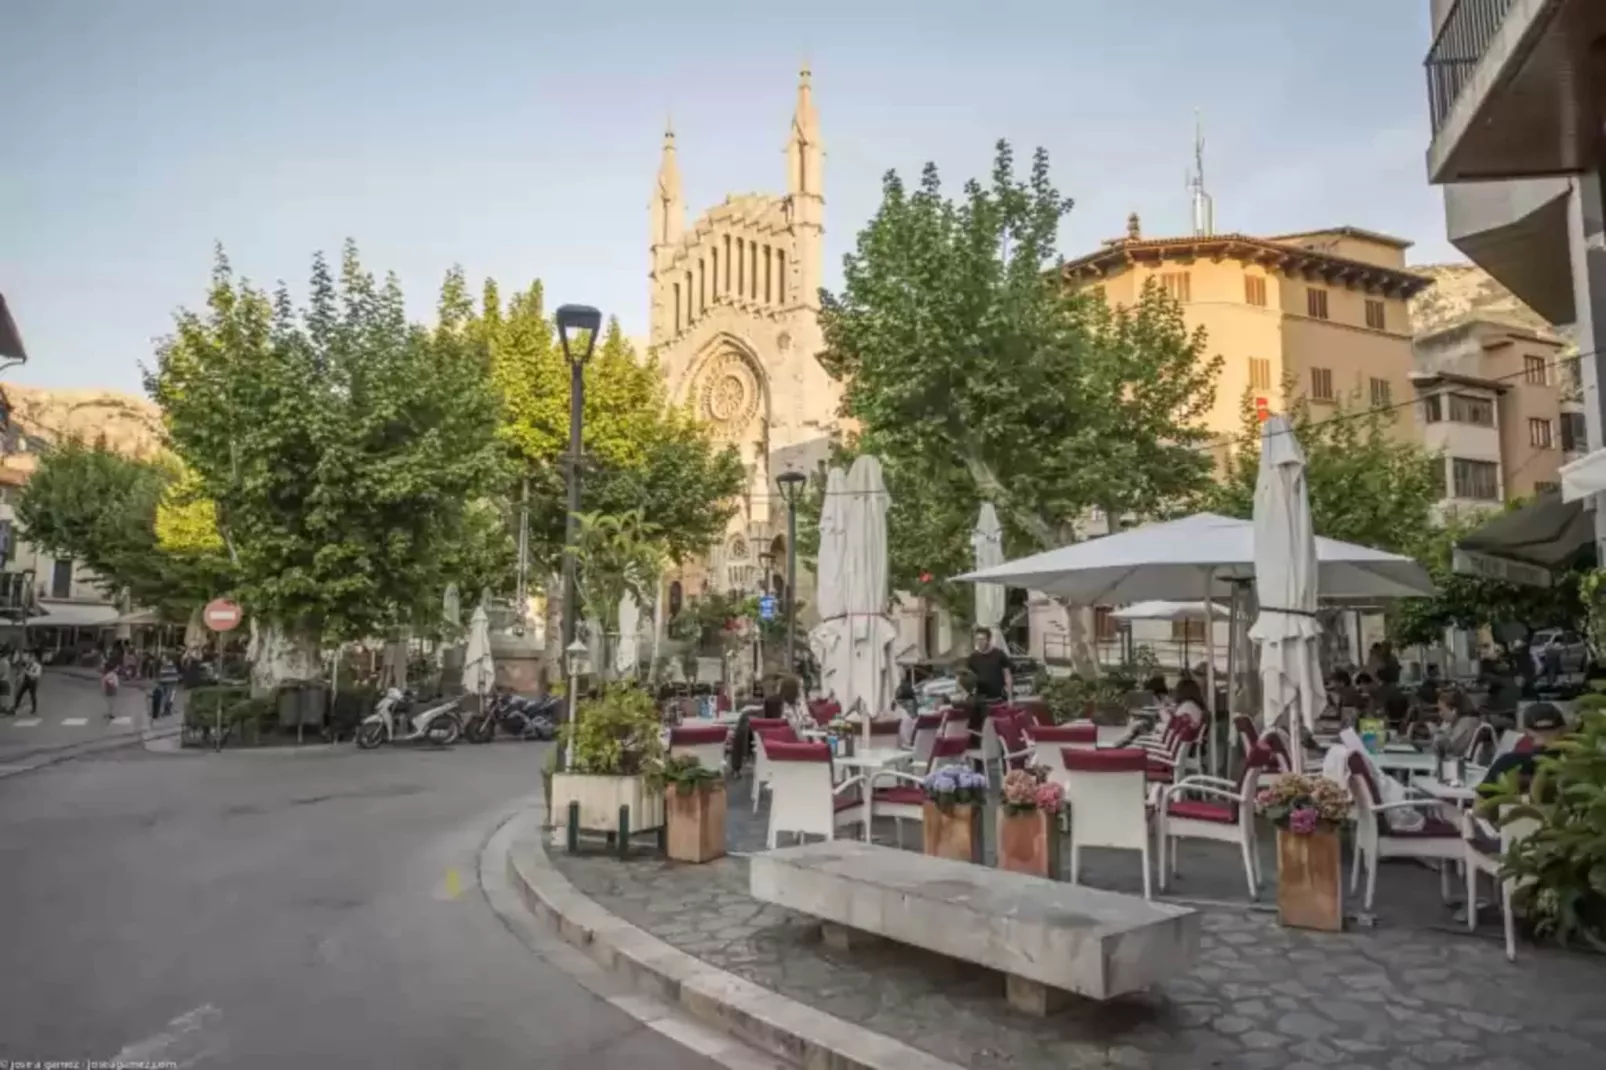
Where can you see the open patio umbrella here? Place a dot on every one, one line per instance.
(1285, 584)
(987, 540)
(870, 632)
(479, 671)
(827, 639)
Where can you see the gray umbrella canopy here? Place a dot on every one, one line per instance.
(1547, 532)
(10, 338)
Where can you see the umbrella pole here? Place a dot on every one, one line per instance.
(1232, 652)
(1210, 678)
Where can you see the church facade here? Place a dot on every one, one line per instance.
(735, 326)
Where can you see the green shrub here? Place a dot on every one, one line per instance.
(617, 734)
(1560, 868)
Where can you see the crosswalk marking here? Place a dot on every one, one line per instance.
(122, 720)
(74, 722)
(25, 722)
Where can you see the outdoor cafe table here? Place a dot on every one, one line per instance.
(870, 761)
(1410, 763)
(1458, 794)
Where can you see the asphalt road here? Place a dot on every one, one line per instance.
(317, 909)
(71, 711)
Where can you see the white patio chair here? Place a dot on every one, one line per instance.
(1048, 740)
(927, 727)
(1486, 847)
(706, 743)
(1003, 741)
(1106, 794)
(1225, 813)
(803, 799)
(904, 799)
(1437, 839)
(761, 727)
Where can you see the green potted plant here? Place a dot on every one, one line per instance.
(618, 752)
(694, 798)
(1308, 810)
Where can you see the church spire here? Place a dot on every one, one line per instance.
(803, 153)
(668, 209)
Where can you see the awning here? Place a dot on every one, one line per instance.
(74, 615)
(140, 617)
(1584, 477)
(1524, 546)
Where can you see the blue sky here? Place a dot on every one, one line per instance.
(520, 139)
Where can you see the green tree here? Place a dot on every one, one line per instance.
(344, 448)
(616, 556)
(102, 509)
(975, 373)
(1368, 484)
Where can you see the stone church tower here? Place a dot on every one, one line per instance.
(734, 324)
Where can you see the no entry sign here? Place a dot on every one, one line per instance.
(221, 615)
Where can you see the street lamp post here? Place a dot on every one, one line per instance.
(766, 562)
(573, 319)
(791, 483)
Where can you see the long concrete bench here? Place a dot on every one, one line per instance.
(1048, 938)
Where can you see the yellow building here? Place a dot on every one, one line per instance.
(1324, 312)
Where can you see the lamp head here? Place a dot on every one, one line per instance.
(573, 319)
(790, 483)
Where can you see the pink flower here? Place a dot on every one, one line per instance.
(1302, 822)
(1049, 798)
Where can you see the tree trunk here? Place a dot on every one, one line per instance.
(552, 656)
(281, 656)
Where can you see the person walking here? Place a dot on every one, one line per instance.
(168, 678)
(7, 678)
(109, 683)
(29, 671)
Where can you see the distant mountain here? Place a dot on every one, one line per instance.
(1466, 291)
(129, 424)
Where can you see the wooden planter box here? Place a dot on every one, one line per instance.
(696, 823)
(955, 833)
(1309, 881)
(600, 798)
(1029, 842)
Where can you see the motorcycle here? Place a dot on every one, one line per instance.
(521, 718)
(394, 722)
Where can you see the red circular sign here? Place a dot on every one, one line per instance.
(221, 615)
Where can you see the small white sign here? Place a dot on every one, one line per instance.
(1490, 567)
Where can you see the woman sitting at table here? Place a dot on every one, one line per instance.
(1189, 699)
(1458, 724)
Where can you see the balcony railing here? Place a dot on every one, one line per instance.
(1461, 43)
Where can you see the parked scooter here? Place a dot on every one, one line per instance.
(522, 718)
(394, 722)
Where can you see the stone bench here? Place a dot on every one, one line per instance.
(1048, 938)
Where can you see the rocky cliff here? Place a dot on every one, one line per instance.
(129, 424)
(1466, 291)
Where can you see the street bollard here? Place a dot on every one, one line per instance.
(624, 832)
(574, 826)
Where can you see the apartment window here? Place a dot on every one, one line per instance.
(1572, 376)
(1376, 317)
(1432, 409)
(1316, 303)
(61, 580)
(1187, 631)
(1259, 373)
(1474, 480)
(1573, 437)
(1321, 384)
(1541, 487)
(1255, 290)
(1104, 624)
(1178, 286)
(1534, 371)
(1468, 409)
(1539, 434)
(1382, 396)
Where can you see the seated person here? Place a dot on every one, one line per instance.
(1427, 692)
(1387, 700)
(1543, 725)
(1157, 688)
(1189, 699)
(1344, 694)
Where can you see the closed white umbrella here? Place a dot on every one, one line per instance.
(987, 540)
(1285, 585)
(827, 639)
(870, 632)
(628, 652)
(479, 671)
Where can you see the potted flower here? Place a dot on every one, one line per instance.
(1028, 823)
(1307, 810)
(618, 754)
(951, 815)
(694, 797)
(841, 732)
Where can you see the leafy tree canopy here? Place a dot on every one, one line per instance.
(344, 449)
(103, 509)
(640, 453)
(975, 373)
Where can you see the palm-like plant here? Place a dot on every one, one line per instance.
(616, 555)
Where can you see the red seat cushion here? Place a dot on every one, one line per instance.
(693, 735)
(1161, 774)
(1432, 828)
(903, 796)
(847, 801)
(1197, 810)
(779, 751)
(1111, 760)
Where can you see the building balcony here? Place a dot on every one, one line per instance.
(1515, 89)
(1517, 232)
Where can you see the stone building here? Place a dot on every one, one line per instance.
(734, 324)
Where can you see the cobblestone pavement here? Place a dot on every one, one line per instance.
(1409, 993)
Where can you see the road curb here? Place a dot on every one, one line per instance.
(795, 1032)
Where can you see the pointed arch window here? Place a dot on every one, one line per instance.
(741, 268)
(780, 277)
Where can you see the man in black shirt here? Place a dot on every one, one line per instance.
(990, 666)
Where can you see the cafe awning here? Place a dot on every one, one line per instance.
(1524, 546)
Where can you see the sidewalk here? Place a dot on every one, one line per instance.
(1412, 992)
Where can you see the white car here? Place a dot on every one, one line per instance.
(1569, 645)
